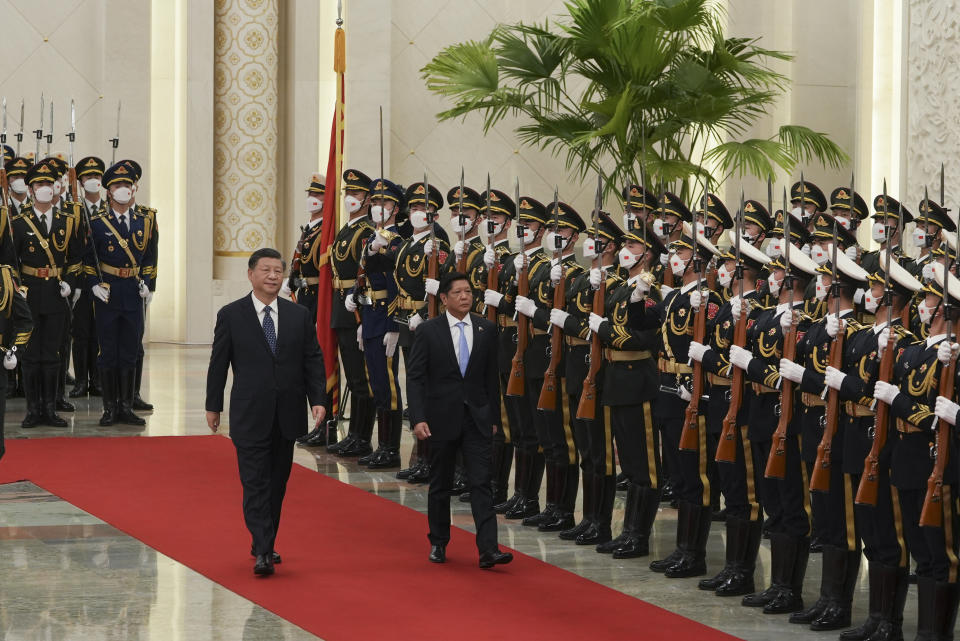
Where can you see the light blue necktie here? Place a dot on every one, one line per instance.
(269, 330)
(464, 357)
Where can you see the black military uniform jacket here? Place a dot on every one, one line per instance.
(631, 339)
(47, 259)
(475, 270)
(537, 357)
(16, 323)
(306, 265)
(508, 284)
(345, 257)
(411, 273)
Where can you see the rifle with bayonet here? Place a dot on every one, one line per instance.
(548, 393)
(39, 133)
(587, 407)
(462, 222)
(515, 384)
(433, 262)
(115, 141)
(690, 432)
(20, 133)
(49, 137)
(493, 274)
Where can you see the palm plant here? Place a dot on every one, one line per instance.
(621, 83)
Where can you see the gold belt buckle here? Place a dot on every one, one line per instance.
(124, 272)
(43, 272)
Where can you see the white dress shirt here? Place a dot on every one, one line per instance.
(455, 334)
(274, 312)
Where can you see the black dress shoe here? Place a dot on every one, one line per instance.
(405, 473)
(561, 521)
(571, 534)
(32, 419)
(494, 557)
(438, 554)
(420, 475)
(275, 556)
(141, 405)
(64, 405)
(465, 497)
(79, 390)
(387, 459)
(348, 440)
(263, 566)
(51, 418)
(370, 457)
(306, 437)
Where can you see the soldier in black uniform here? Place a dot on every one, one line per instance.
(528, 475)
(912, 399)
(468, 248)
(807, 201)
(639, 207)
(880, 527)
(305, 268)
(784, 501)
(16, 326)
(849, 217)
(740, 478)
(832, 510)
(885, 232)
(85, 347)
(19, 199)
(47, 245)
(554, 426)
(928, 237)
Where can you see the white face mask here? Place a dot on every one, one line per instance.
(551, 241)
(844, 222)
(878, 232)
(661, 229)
(528, 235)
(928, 272)
(870, 302)
(497, 228)
(91, 184)
(925, 313)
(724, 276)
(380, 214)
(800, 214)
(629, 221)
(806, 249)
(314, 204)
(589, 248)
(627, 258)
(353, 204)
(819, 254)
(677, 265)
(774, 285)
(919, 237)
(122, 195)
(747, 238)
(822, 290)
(19, 185)
(774, 248)
(457, 227)
(57, 188)
(418, 218)
(43, 194)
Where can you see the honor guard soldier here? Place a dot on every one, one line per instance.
(551, 419)
(468, 248)
(737, 475)
(886, 232)
(46, 243)
(879, 522)
(345, 260)
(783, 497)
(499, 212)
(913, 401)
(639, 206)
(821, 243)
(849, 217)
(807, 200)
(19, 191)
(83, 330)
(593, 436)
(928, 237)
(119, 264)
(16, 326)
(378, 333)
(832, 507)
(668, 227)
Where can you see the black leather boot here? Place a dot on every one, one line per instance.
(419, 451)
(926, 588)
(383, 435)
(553, 498)
(503, 506)
(92, 370)
(568, 480)
(421, 473)
(532, 479)
(843, 580)
(740, 580)
(734, 531)
(59, 396)
(875, 606)
(125, 382)
(631, 519)
(82, 387)
(50, 387)
(693, 559)
(945, 599)
(108, 389)
(780, 555)
(637, 543)
(894, 583)
(138, 403)
(391, 453)
(599, 531)
(33, 390)
(360, 445)
(357, 415)
(684, 513)
(502, 462)
(828, 581)
(790, 596)
(589, 510)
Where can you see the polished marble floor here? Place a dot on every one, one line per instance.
(66, 575)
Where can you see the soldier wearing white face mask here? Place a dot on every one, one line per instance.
(849, 217)
(821, 251)
(806, 201)
(305, 267)
(928, 236)
(19, 192)
(468, 248)
(884, 231)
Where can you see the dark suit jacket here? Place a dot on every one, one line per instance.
(438, 394)
(265, 386)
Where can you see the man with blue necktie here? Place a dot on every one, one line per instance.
(453, 390)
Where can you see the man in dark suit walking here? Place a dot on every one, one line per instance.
(453, 391)
(271, 343)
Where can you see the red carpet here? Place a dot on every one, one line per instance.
(181, 496)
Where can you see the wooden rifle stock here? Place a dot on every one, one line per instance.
(777, 461)
(691, 425)
(587, 407)
(727, 447)
(493, 278)
(548, 393)
(820, 478)
(867, 491)
(361, 285)
(515, 386)
(668, 276)
(432, 271)
(932, 513)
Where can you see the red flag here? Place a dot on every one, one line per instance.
(326, 336)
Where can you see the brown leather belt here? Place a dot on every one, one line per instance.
(907, 428)
(719, 381)
(673, 367)
(573, 340)
(120, 272)
(340, 284)
(857, 410)
(40, 272)
(812, 400)
(615, 355)
(763, 389)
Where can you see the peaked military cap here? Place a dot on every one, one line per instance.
(751, 257)
(381, 187)
(471, 199)
(811, 194)
(840, 199)
(17, 167)
(670, 203)
(91, 165)
(823, 230)
(8, 154)
(754, 212)
(42, 171)
(606, 227)
(567, 216)
(355, 180)
(415, 195)
(532, 211)
(119, 173)
(932, 211)
(649, 239)
(716, 210)
(902, 281)
(638, 197)
(894, 209)
(317, 186)
(500, 203)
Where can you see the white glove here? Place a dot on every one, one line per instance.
(786, 320)
(596, 277)
(360, 336)
(858, 295)
(518, 262)
(882, 339)
(101, 292)
(665, 259)
(526, 306)
(390, 342)
(492, 298)
(143, 290)
(640, 288)
(833, 325)
(556, 273)
(851, 252)
(791, 371)
(740, 357)
(76, 296)
(833, 377)
(65, 289)
(696, 299)
(665, 290)
(148, 299)
(697, 350)
(596, 321)
(379, 242)
(285, 290)
(558, 317)
(489, 257)
(883, 391)
(945, 351)
(944, 408)
(414, 322)
(458, 248)
(432, 285)
(685, 393)
(806, 249)
(350, 302)
(10, 361)
(428, 248)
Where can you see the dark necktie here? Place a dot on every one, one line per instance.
(269, 331)
(124, 230)
(43, 225)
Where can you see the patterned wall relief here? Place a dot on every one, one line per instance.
(245, 123)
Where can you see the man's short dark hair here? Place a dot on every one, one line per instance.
(447, 281)
(264, 252)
